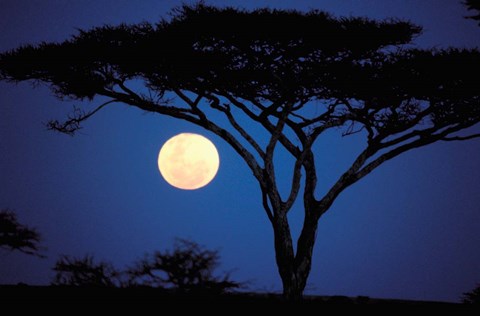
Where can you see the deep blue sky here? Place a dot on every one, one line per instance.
(409, 230)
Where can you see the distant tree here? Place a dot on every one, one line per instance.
(189, 267)
(473, 5)
(16, 236)
(84, 272)
(472, 297)
(296, 75)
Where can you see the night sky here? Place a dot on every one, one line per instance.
(409, 230)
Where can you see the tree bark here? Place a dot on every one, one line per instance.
(285, 258)
(305, 244)
(294, 269)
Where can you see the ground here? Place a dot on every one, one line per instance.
(77, 296)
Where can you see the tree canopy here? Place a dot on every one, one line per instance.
(355, 66)
(202, 45)
(84, 272)
(16, 236)
(189, 267)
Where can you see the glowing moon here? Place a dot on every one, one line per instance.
(188, 161)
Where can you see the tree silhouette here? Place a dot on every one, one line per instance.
(84, 272)
(473, 5)
(15, 236)
(189, 267)
(472, 297)
(297, 75)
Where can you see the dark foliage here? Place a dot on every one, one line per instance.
(15, 236)
(189, 267)
(472, 297)
(260, 49)
(473, 5)
(84, 272)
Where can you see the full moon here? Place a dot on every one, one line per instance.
(188, 161)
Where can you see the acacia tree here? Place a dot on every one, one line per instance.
(188, 267)
(16, 236)
(85, 272)
(274, 69)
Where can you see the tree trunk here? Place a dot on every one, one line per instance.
(306, 241)
(294, 269)
(285, 258)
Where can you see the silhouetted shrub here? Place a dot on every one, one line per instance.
(15, 236)
(84, 272)
(472, 297)
(189, 267)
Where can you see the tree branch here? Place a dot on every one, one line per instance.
(406, 127)
(455, 138)
(266, 207)
(322, 117)
(422, 141)
(297, 175)
(310, 181)
(194, 103)
(131, 93)
(356, 172)
(227, 111)
(269, 166)
(329, 124)
(265, 123)
(345, 180)
(308, 163)
(72, 125)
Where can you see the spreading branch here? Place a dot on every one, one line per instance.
(460, 138)
(73, 123)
